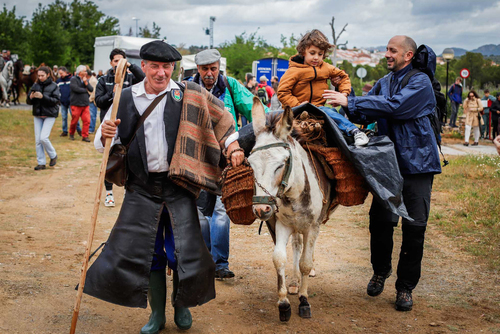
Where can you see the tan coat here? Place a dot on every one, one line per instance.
(472, 112)
(305, 83)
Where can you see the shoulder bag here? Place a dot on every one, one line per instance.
(116, 169)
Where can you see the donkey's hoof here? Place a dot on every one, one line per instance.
(285, 311)
(304, 308)
(312, 273)
(293, 290)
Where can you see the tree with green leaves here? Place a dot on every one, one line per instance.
(48, 37)
(153, 33)
(64, 34)
(289, 46)
(474, 62)
(86, 23)
(14, 32)
(241, 52)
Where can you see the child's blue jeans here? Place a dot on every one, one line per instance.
(343, 123)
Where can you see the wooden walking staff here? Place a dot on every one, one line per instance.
(120, 73)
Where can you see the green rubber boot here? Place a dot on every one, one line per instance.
(182, 315)
(157, 295)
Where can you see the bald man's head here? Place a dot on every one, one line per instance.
(400, 52)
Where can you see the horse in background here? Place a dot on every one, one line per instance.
(291, 194)
(6, 77)
(16, 82)
(28, 77)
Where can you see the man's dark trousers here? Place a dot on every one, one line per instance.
(454, 113)
(417, 198)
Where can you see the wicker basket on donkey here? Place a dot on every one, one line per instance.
(351, 187)
(237, 193)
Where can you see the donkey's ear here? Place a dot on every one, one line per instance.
(284, 127)
(258, 116)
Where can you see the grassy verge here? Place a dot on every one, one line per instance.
(469, 211)
(17, 141)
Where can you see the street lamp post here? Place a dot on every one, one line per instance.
(448, 55)
(136, 26)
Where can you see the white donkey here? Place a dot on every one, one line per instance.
(6, 78)
(292, 192)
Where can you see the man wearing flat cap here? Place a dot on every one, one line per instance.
(173, 153)
(238, 100)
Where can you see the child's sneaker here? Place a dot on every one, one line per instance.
(110, 200)
(360, 139)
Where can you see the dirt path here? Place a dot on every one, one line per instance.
(44, 220)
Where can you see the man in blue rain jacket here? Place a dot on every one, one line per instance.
(402, 113)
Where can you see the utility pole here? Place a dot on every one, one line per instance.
(136, 26)
(210, 31)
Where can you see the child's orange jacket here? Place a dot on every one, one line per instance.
(303, 82)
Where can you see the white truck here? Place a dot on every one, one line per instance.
(104, 45)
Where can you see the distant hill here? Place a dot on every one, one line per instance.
(488, 50)
(485, 50)
(458, 52)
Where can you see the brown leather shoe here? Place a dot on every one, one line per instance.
(86, 139)
(53, 161)
(475, 143)
(466, 144)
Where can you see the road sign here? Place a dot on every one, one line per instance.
(361, 72)
(464, 73)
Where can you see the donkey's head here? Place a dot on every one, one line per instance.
(271, 159)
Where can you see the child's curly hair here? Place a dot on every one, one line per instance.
(316, 38)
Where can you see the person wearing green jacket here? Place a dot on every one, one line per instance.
(214, 220)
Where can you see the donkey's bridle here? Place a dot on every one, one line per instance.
(270, 199)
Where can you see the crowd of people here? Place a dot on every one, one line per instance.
(162, 218)
(481, 113)
(153, 197)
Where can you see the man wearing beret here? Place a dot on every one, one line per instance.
(237, 99)
(171, 156)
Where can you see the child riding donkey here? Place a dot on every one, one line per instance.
(306, 80)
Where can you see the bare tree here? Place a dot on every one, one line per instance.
(333, 57)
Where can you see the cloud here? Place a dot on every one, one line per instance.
(438, 23)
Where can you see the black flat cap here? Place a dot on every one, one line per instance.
(159, 51)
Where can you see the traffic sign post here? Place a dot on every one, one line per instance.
(361, 73)
(464, 73)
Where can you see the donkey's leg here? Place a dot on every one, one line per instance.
(293, 288)
(312, 273)
(279, 258)
(306, 264)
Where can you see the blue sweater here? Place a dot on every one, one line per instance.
(63, 84)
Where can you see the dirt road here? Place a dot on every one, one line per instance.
(44, 221)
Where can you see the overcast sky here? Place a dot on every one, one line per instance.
(438, 23)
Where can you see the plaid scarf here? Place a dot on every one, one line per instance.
(203, 129)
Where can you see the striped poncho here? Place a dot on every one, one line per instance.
(203, 129)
